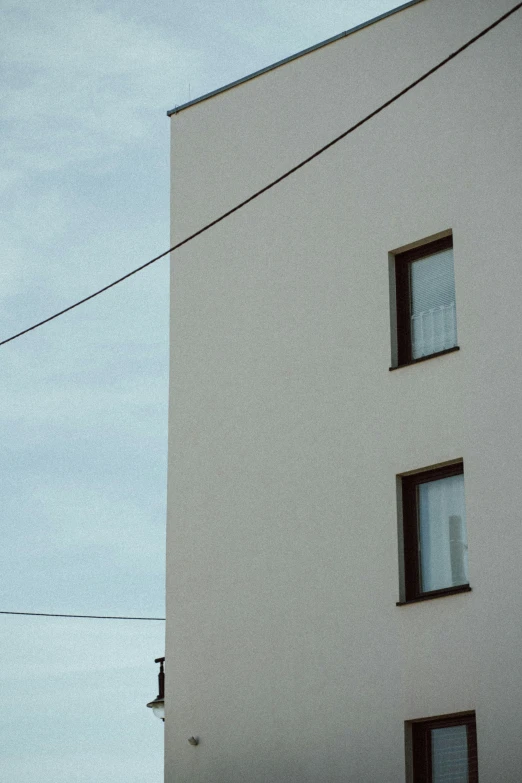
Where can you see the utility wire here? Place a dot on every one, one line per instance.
(275, 181)
(83, 616)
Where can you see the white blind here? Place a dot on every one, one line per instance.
(442, 533)
(433, 313)
(449, 755)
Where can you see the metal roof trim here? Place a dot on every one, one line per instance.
(253, 75)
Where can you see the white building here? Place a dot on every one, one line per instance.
(316, 499)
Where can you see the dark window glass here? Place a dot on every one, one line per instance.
(426, 309)
(445, 750)
(434, 531)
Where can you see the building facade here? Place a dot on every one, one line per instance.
(344, 530)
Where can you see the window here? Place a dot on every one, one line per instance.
(445, 750)
(425, 293)
(434, 532)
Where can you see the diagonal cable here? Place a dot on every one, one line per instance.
(83, 616)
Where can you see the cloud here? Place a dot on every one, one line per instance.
(56, 646)
(85, 719)
(83, 81)
(126, 765)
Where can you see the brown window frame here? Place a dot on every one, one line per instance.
(410, 528)
(403, 299)
(421, 744)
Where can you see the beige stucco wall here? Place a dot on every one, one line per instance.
(286, 652)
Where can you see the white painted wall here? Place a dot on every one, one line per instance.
(286, 652)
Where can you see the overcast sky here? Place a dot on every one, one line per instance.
(84, 181)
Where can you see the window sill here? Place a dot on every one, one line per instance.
(436, 594)
(425, 358)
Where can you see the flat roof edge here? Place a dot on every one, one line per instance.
(253, 75)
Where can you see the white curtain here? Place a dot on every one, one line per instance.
(442, 533)
(433, 314)
(449, 755)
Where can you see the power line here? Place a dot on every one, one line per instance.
(83, 616)
(275, 181)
